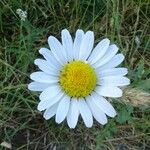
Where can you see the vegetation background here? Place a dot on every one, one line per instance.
(125, 22)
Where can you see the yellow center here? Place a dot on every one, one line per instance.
(77, 79)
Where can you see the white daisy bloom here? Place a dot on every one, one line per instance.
(75, 77)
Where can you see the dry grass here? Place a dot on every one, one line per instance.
(136, 97)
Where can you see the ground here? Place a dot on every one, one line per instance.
(124, 22)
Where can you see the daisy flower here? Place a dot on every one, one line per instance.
(75, 77)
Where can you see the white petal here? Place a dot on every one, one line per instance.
(98, 114)
(114, 81)
(44, 104)
(113, 72)
(73, 113)
(99, 51)
(46, 67)
(50, 112)
(77, 43)
(63, 108)
(86, 45)
(115, 61)
(111, 51)
(57, 50)
(36, 86)
(50, 92)
(42, 77)
(67, 43)
(85, 112)
(48, 55)
(108, 91)
(103, 104)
